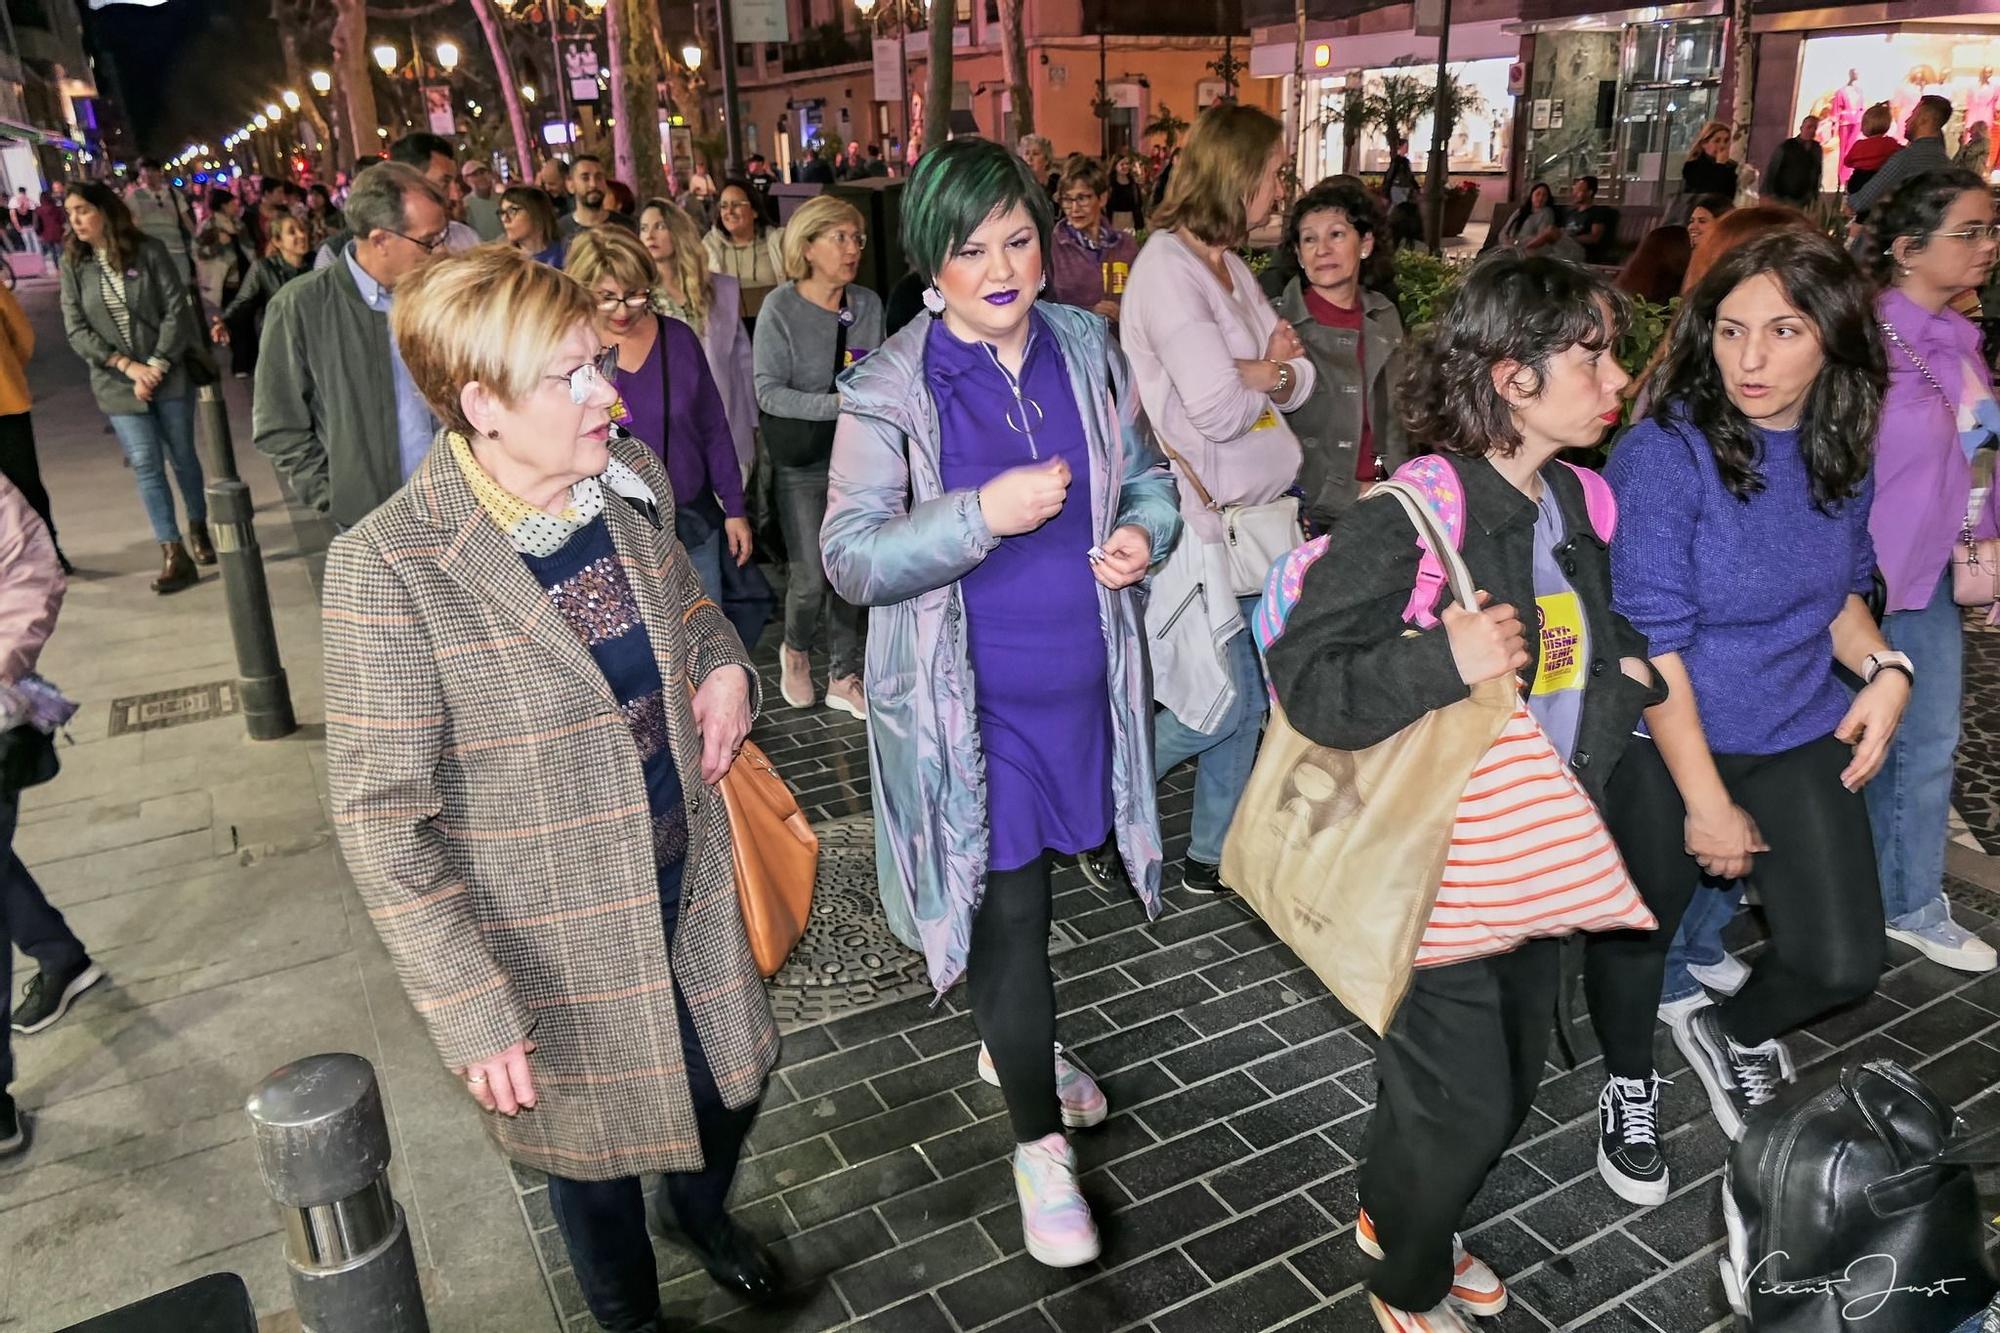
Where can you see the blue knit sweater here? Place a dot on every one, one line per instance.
(1743, 590)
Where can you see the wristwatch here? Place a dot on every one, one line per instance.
(1877, 663)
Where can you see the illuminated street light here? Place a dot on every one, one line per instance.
(447, 54)
(322, 82)
(691, 53)
(385, 56)
(528, 92)
(290, 99)
(260, 122)
(271, 112)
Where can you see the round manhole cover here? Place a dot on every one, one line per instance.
(848, 960)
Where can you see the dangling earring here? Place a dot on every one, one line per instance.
(934, 300)
(1043, 285)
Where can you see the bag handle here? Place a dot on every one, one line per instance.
(1201, 491)
(1426, 523)
(1981, 1149)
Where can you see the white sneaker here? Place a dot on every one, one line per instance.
(1446, 1318)
(1675, 1012)
(1726, 976)
(1055, 1220)
(1475, 1288)
(845, 695)
(1950, 944)
(1083, 1102)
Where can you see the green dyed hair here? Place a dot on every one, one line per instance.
(955, 188)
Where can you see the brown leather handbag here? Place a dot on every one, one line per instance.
(777, 857)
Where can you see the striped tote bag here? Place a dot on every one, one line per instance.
(1529, 856)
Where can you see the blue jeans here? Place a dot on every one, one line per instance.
(707, 560)
(165, 429)
(1225, 754)
(1909, 802)
(1698, 942)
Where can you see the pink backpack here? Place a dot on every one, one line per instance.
(1435, 476)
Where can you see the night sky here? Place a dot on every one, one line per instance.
(188, 68)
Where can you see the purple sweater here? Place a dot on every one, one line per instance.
(693, 440)
(1744, 590)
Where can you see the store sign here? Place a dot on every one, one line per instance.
(889, 67)
(580, 69)
(437, 109)
(760, 20)
(1430, 18)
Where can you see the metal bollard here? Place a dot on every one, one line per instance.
(324, 1148)
(262, 690)
(212, 426)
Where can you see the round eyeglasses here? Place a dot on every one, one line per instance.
(584, 380)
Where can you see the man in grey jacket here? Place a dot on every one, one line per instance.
(335, 409)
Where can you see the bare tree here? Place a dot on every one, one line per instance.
(1740, 15)
(1014, 62)
(351, 77)
(292, 18)
(510, 94)
(635, 96)
(937, 95)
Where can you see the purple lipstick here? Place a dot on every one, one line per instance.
(1002, 298)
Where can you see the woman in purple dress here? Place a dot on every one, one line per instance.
(993, 499)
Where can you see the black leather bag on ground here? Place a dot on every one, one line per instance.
(1851, 1209)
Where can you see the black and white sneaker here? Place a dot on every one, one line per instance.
(13, 1128)
(1203, 878)
(47, 998)
(1105, 869)
(1738, 1078)
(1628, 1145)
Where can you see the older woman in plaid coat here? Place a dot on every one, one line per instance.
(529, 701)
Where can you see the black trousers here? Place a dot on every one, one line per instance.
(1014, 995)
(29, 921)
(1456, 1075)
(1817, 884)
(19, 465)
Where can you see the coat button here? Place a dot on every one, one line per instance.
(1582, 759)
(1569, 568)
(1597, 667)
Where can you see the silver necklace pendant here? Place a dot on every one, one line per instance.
(1024, 426)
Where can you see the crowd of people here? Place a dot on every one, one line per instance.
(1027, 505)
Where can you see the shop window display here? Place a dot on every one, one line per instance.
(1480, 138)
(1843, 74)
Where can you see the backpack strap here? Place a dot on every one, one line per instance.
(1599, 501)
(1437, 480)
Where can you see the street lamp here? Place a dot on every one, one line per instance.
(528, 93)
(322, 82)
(260, 122)
(447, 54)
(385, 56)
(290, 99)
(691, 53)
(271, 112)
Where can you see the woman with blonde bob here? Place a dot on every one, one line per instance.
(529, 703)
(814, 326)
(1216, 367)
(711, 304)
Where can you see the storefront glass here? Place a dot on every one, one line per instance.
(1672, 77)
(1480, 135)
(1573, 74)
(1841, 76)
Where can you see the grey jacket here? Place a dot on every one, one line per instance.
(156, 298)
(897, 541)
(1328, 423)
(325, 407)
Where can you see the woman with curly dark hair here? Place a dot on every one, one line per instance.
(1518, 369)
(1742, 554)
(1930, 242)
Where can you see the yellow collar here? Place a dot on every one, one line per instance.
(506, 509)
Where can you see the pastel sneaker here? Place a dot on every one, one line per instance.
(1475, 1288)
(1083, 1103)
(1055, 1220)
(1948, 943)
(1446, 1318)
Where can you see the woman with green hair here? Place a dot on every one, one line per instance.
(994, 500)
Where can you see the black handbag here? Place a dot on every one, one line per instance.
(795, 443)
(27, 758)
(1850, 1208)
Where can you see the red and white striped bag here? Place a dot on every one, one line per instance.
(1529, 857)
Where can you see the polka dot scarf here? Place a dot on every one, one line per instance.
(531, 530)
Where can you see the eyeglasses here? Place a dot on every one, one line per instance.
(508, 212)
(1989, 231)
(631, 301)
(734, 206)
(426, 245)
(1078, 200)
(585, 379)
(843, 239)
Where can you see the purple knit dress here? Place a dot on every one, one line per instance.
(1043, 704)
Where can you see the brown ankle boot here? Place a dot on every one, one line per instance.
(199, 546)
(178, 572)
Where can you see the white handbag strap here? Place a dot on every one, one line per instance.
(1459, 577)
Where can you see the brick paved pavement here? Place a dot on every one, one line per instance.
(1224, 1179)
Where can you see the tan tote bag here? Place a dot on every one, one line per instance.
(1341, 851)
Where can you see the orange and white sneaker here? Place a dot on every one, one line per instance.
(1447, 1318)
(1475, 1288)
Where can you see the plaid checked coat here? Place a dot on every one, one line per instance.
(487, 794)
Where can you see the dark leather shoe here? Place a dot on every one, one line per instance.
(199, 545)
(738, 1262)
(176, 571)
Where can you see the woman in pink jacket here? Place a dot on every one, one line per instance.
(31, 591)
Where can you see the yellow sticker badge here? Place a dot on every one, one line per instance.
(1266, 421)
(1561, 666)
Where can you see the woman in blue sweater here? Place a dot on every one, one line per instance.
(1742, 554)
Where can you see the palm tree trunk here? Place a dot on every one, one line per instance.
(937, 94)
(351, 77)
(1014, 64)
(503, 65)
(1740, 15)
(635, 97)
